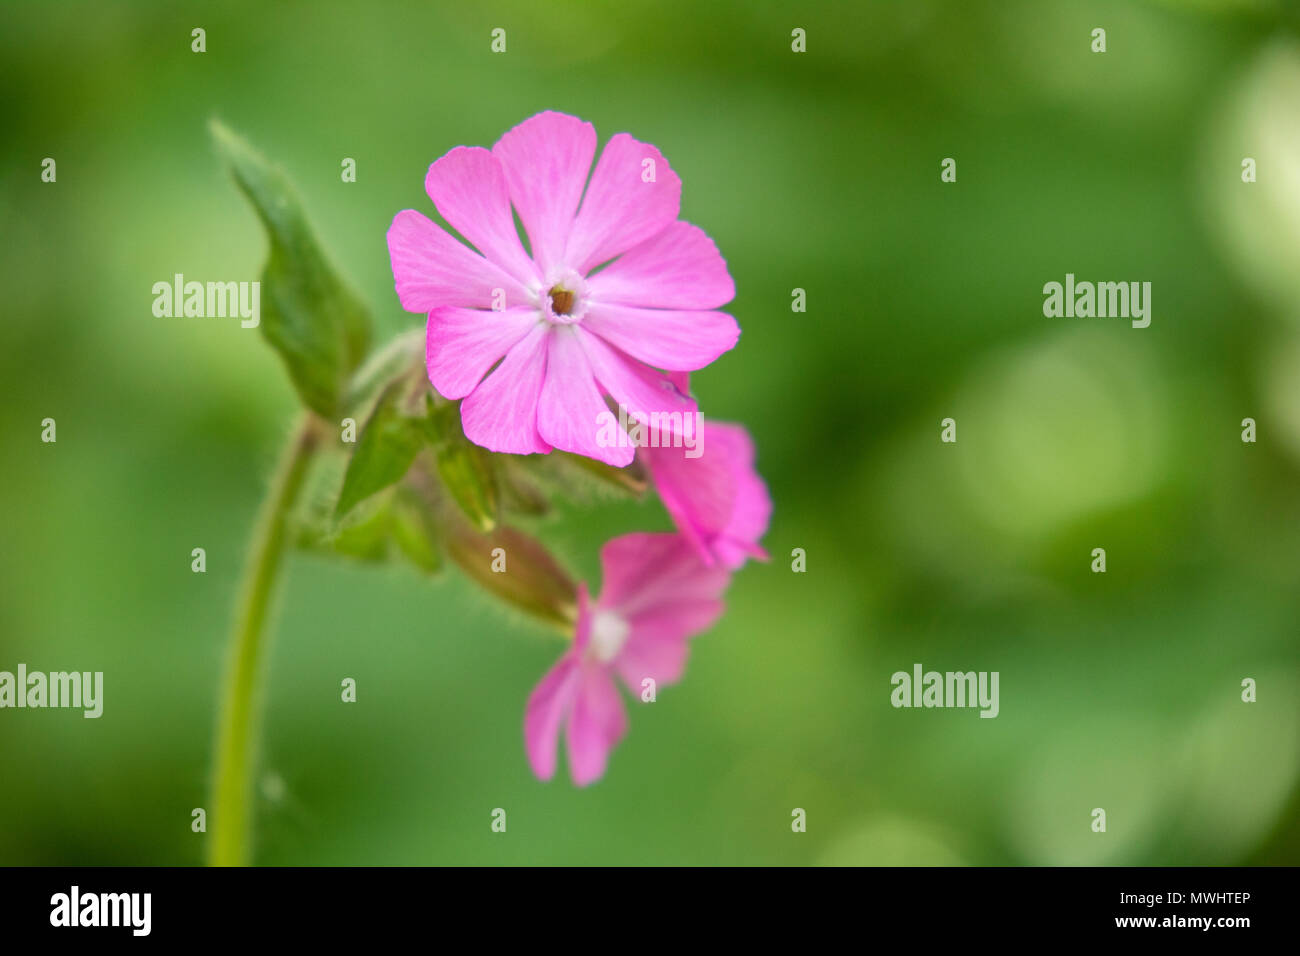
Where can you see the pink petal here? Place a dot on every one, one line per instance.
(718, 501)
(733, 552)
(657, 583)
(752, 509)
(699, 493)
(684, 617)
(656, 654)
(683, 598)
(657, 646)
(571, 410)
(645, 574)
(548, 705)
(597, 722)
(546, 159)
(679, 268)
(621, 209)
(431, 269)
(682, 341)
(582, 630)
(460, 345)
(469, 189)
(501, 414)
(642, 390)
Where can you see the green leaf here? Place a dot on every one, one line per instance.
(386, 526)
(364, 534)
(578, 478)
(467, 471)
(387, 446)
(308, 315)
(313, 517)
(630, 480)
(359, 535)
(401, 358)
(520, 494)
(415, 532)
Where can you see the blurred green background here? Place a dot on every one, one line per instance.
(818, 171)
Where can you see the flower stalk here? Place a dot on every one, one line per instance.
(238, 720)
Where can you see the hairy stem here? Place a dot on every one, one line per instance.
(238, 718)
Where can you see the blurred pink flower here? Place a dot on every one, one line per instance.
(717, 500)
(656, 595)
(564, 337)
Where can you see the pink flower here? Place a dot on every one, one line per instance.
(656, 595)
(717, 499)
(564, 335)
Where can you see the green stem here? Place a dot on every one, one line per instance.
(237, 721)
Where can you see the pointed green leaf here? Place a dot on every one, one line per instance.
(364, 534)
(467, 471)
(520, 494)
(401, 358)
(308, 315)
(630, 480)
(381, 528)
(387, 446)
(361, 534)
(579, 478)
(414, 531)
(313, 516)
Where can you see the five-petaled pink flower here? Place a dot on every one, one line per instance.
(717, 500)
(564, 334)
(656, 594)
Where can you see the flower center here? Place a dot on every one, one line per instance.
(561, 300)
(564, 301)
(608, 634)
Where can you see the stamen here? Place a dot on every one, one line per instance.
(561, 301)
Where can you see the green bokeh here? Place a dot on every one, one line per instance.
(818, 171)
